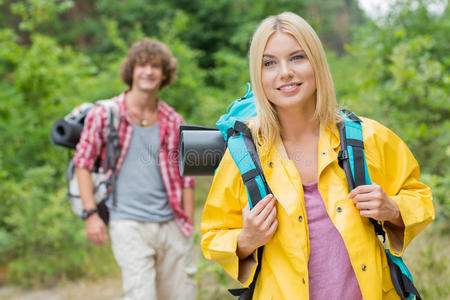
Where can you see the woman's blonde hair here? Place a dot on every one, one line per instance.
(266, 123)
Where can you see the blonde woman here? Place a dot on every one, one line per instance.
(319, 243)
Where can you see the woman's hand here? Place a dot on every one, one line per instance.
(372, 202)
(259, 225)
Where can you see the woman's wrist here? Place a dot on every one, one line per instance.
(397, 219)
(243, 248)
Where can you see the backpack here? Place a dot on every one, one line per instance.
(351, 158)
(66, 132)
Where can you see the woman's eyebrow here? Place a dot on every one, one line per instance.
(292, 53)
(297, 52)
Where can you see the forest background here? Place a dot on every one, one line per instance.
(56, 54)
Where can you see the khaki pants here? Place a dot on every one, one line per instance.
(156, 260)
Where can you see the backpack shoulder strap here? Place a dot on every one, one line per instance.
(352, 150)
(112, 111)
(112, 143)
(244, 153)
(352, 157)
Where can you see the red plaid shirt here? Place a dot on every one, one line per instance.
(93, 141)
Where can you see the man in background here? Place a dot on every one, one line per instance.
(151, 221)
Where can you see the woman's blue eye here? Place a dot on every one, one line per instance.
(268, 63)
(297, 57)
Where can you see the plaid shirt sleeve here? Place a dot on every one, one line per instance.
(90, 145)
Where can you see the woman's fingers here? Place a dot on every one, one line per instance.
(269, 220)
(367, 205)
(261, 204)
(272, 228)
(363, 189)
(264, 214)
(260, 223)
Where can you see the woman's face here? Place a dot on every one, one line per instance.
(287, 75)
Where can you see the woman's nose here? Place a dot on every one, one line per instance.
(285, 70)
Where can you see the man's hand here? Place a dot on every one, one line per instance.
(372, 202)
(259, 225)
(96, 230)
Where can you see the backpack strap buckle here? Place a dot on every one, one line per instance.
(342, 155)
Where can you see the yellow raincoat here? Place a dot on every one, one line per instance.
(284, 272)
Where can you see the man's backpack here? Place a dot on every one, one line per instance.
(351, 158)
(66, 132)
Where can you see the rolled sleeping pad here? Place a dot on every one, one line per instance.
(200, 150)
(66, 133)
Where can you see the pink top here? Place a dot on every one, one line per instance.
(331, 274)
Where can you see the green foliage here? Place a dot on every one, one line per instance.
(42, 240)
(407, 80)
(441, 196)
(429, 263)
(36, 12)
(41, 89)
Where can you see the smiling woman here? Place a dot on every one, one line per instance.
(318, 241)
(287, 75)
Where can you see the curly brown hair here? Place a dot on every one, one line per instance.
(144, 51)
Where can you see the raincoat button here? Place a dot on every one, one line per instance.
(303, 280)
(300, 218)
(339, 209)
(270, 164)
(363, 267)
(323, 153)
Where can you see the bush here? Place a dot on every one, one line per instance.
(44, 241)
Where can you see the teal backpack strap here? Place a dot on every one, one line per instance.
(352, 159)
(243, 151)
(352, 149)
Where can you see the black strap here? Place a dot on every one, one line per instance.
(410, 288)
(246, 177)
(378, 227)
(351, 115)
(253, 191)
(247, 293)
(355, 143)
(358, 160)
(241, 127)
(360, 168)
(343, 156)
(402, 284)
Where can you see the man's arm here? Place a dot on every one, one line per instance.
(188, 202)
(95, 228)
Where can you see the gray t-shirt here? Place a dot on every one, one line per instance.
(141, 194)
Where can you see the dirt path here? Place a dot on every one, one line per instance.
(105, 289)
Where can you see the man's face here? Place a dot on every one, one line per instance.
(148, 75)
